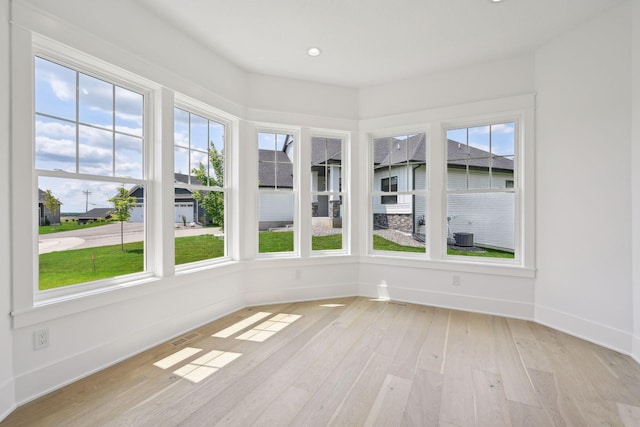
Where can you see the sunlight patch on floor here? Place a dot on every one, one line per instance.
(269, 328)
(206, 365)
(237, 327)
(176, 357)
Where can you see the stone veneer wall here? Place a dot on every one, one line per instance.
(393, 221)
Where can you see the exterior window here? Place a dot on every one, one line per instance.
(200, 192)
(399, 171)
(89, 161)
(481, 190)
(276, 183)
(387, 185)
(327, 208)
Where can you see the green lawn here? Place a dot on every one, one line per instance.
(489, 253)
(68, 226)
(326, 243)
(75, 266)
(382, 244)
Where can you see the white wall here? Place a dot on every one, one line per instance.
(497, 79)
(635, 178)
(7, 396)
(584, 175)
(583, 132)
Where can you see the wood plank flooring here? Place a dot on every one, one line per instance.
(352, 362)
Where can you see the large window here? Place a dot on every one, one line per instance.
(327, 197)
(481, 190)
(399, 173)
(199, 196)
(90, 165)
(276, 192)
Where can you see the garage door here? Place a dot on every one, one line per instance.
(185, 209)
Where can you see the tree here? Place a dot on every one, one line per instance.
(51, 203)
(123, 202)
(212, 201)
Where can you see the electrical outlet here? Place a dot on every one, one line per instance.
(455, 280)
(41, 339)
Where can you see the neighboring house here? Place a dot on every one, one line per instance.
(400, 165)
(95, 215)
(275, 171)
(44, 214)
(184, 204)
(326, 166)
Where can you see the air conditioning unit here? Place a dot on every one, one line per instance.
(463, 239)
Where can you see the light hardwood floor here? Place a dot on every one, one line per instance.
(357, 362)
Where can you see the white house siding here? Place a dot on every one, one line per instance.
(404, 205)
(489, 216)
(275, 209)
(456, 179)
(420, 201)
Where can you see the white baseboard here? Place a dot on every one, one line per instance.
(476, 304)
(597, 333)
(296, 294)
(45, 379)
(636, 348)
(7, 398)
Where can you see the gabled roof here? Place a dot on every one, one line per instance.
(96, 213)
(333, 152)
(274, 167)
(476, 158)
(393, 151)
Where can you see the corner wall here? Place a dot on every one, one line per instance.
(583, 134)
(7, 388)
(635, 177)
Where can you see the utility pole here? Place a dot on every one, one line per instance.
(86, 206)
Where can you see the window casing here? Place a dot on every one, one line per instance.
(200, 185)
(481, 205)
(90, 141)
(399, 193)
(277, 192)
(328, 207)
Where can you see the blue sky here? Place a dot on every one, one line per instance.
(86, 125)
(498, 139)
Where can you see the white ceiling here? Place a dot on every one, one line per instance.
(370, 42)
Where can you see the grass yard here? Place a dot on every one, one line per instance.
(326, 243)
(489, 253)
(75, 266)
(382, 244)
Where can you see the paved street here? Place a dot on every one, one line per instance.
(106, 235)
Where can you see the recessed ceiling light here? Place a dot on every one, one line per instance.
(314, 51)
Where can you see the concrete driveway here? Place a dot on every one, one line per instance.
(106, 235)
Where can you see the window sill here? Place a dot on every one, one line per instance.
(466, 266)
(50, 307)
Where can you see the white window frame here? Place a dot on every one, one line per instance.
(343, 193)
(518, 136)
(199, 108)
(296, 133)
(91, 66)
(519, 109)
(372, 194)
